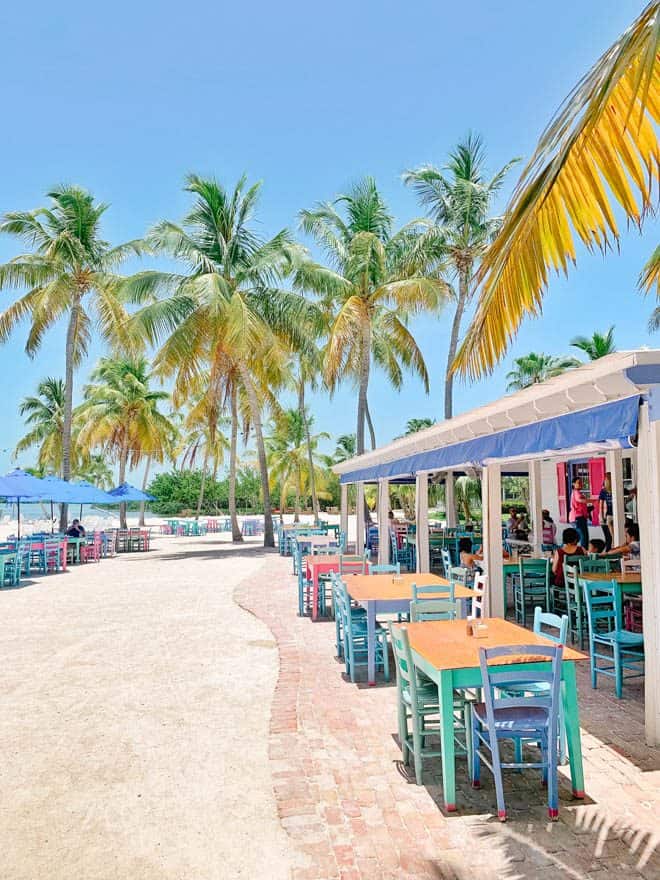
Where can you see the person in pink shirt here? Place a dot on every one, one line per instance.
(580, 512)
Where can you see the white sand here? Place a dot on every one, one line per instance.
(134, 710)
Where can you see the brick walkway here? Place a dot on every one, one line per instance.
(351, 811)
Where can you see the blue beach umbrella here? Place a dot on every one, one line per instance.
(18, 484)
(126, 492)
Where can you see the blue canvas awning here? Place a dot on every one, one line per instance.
(608, 422)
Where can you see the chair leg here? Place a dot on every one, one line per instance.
(594, 672)
(476, 760)
(499, 785)
(618, 672)
(553, 783)
(417, 746)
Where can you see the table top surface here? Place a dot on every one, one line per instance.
(446, 645)
(626, 577)
(322, 559)
(363, 587)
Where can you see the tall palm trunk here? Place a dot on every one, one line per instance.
(363, 406)
(145, 480)
(297, 507)
(308, 442)
(463, 295)
(236, 535)
(202, 486)
(370, 425)
(123, 460)
(255, 414)
(67, 415)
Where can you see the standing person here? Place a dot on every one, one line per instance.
(606, 511)
(580, 512)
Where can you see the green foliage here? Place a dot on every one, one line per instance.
(597, 345)
(534, 368)
(177, 492)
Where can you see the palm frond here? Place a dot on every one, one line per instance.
(600, 149)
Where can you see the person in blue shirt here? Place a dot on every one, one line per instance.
(606, 511)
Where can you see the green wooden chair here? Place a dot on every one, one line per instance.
(575, 608)
(418, 709)
(433, 609)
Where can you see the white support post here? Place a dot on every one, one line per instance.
(648, 509)
(536, 504)
(343, 512)
(422, 522)
(450, 503)
(359, 518)
(614, 464)
(491, 511)
(383, 522)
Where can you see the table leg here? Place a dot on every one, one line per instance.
(572, 719)
(446, 701)
(315, 594)
(371, 642)
(63, 556)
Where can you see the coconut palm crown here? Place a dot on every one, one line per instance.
(375, 280)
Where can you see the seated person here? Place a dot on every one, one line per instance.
(570, 547)
(512, 522)
(467, 557)
(76, 529)
(549, 529)
(596, 545)
(631, 546)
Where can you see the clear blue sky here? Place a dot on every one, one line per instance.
(125, 98)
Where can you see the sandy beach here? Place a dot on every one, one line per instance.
(134, 712)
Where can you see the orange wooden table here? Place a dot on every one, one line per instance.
(390, 594)
(450, 657)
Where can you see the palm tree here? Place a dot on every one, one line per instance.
(459, 205)
(415, 425)
(467, 491)
(225, 315)
(376, 280)
(597, 345)
(205, 438)
(600, 149)
(309, 368)
(96, 469)
(288, 455)
(44, 417)
(121, 415)
(69, 275)
(650, 280)
(534, 368)
(344, 449)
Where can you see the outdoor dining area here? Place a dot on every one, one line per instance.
(23, 556)
(483, 634)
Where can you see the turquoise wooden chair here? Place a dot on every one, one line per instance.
(531, 588)
(403, 555)
(446, 561)
(355, 638)
(357, 611)
(612, 650)
(433, 609)
(418, 710)
(385, 569)
(575, 607)
(502, 717)
(597, 565)
(304, 586)
(439, 591)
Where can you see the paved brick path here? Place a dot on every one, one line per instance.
(345, 799)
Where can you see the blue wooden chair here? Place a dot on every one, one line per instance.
(555, 629)
(618, 649)
(446, 561)
(439, 591)
(404, 556)
(304, 586)
(355, 637)
(357, 611)
(522, 718)
(418, 710)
